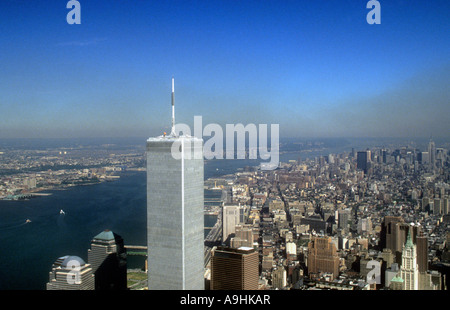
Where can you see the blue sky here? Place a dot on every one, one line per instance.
(316, 68)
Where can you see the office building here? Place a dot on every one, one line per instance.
(430, 280)
(363, 161)
(422, 252)
(389, 232)
(432, 154)
(291, 251)
(234, 269)
(445, 205)
(175, 219)
(394, 233)
(364, 226)
(279, 277)
(322, 256)
(409, 270)
(71, 273)
(107, 257)
(423, 158)
(244, 237)
(437, 206)
(344, 217)
(230, 219)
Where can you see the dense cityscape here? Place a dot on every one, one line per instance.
(319, 223)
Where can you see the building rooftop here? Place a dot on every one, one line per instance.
(69, 261)
(105, 235)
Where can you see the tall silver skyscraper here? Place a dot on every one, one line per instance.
(175, 218)
(432, 154)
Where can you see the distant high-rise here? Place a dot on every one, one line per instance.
(364, 226)
(234, 269)
(384, 155)
(363, 161)
(175, 219)
(71, 273)
(432, 154)
(423, 157)
(344, 216)
(107, 256)
(437, 206)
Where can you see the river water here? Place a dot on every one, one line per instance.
(28, 250)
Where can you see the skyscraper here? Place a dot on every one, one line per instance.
(107, 256)
(343, 218)
(393, 235)
(363, 161)
(432, 154)
(71, 273)
(409, 270)
(234, 269)
(322, 256)
(175, 220)
(230, 218)
(422, 252)
(389, 233)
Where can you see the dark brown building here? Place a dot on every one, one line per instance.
(422, 252)
(234, 269)
(389, 233)
(393, 235)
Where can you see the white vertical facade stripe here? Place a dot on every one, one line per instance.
(182, 215)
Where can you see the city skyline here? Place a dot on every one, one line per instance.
(317, 69)
(367, 215)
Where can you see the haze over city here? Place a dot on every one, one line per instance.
(317, 68)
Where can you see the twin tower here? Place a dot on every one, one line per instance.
(175, 218)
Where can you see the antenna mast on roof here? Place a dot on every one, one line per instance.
(173, 108)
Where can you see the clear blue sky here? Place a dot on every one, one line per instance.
(316, 68)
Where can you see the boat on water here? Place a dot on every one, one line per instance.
(62, 212)
(28, 221)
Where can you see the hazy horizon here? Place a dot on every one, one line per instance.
(317, 69)
(288, 144)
